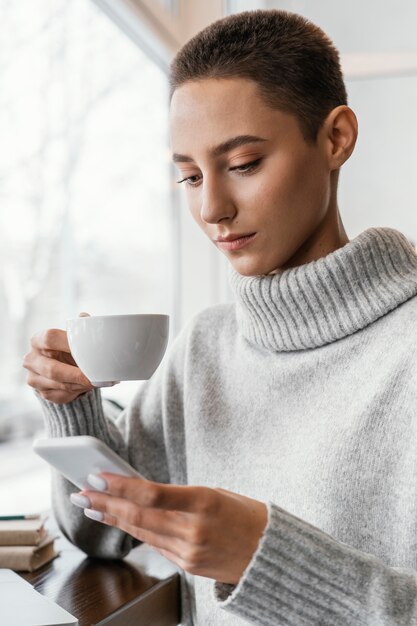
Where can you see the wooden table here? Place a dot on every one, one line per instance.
(142, 589)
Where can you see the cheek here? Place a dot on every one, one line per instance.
(300, 184)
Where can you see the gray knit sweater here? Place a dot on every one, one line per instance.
(303, 394)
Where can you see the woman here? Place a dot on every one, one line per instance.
(279, 433)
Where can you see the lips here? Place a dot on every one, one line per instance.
(234, 237)
(236, 244)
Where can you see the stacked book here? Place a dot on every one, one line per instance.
(25, 544)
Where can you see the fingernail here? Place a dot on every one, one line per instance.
(97, 482)
(92, 514)
(81, 501)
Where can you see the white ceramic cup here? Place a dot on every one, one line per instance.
(111, 348)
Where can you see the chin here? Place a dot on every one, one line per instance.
(252, 267)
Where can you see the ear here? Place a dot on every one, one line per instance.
(339, 133)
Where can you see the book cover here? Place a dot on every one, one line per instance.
(28, 558)
(24, 532)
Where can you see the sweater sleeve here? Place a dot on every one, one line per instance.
(137, 435)
(301, 576)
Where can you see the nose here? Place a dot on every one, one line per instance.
(216, 202)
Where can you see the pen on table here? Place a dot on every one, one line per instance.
(13, 517)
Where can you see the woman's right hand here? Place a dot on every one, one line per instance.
(51, 369)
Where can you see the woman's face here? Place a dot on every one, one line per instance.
(269, 183)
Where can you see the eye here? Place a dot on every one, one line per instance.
(189, 180)
(244, 169)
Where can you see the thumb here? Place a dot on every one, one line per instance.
(83, 314)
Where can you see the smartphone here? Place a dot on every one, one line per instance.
(76, 457)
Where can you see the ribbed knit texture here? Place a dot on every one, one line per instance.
(303, 395)
(322, 301)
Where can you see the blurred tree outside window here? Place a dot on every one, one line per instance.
(85, 213)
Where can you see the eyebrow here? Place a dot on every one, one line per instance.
(222, 148)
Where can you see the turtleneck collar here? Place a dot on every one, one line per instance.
(324, 300)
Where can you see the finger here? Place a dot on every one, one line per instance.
(173, 548)
(65, 357)
(161, 522)
(235, 496)
(51, 339)
(46, 384)
(55, 370)
(178, 560)
(148, 494)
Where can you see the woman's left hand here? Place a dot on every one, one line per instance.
(207, 532)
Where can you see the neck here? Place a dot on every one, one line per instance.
(328, 236)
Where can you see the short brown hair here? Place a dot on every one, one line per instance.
(294, 63)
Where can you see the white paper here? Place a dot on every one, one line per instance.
(21, 605)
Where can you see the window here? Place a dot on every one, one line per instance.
(85, 212)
